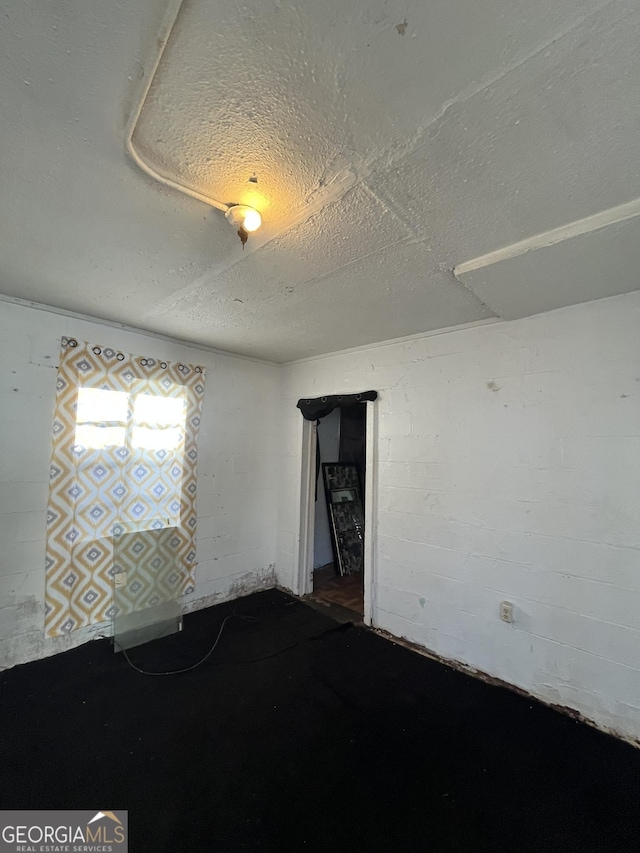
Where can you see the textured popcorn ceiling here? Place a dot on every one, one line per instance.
(386, 144)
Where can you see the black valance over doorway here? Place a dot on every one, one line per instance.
(320, 407)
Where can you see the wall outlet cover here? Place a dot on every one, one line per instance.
(506, 611)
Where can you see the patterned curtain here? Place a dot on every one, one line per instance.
(124, 461)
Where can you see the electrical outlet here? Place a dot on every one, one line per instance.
(506, 611)
(120, 579)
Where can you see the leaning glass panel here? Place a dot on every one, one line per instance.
(147, 583)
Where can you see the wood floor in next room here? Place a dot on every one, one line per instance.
(347, 591)
(302, 734)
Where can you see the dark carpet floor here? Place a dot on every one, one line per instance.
(299, 734)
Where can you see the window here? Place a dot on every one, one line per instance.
(101, 418)
(124, 460)
(145, 431)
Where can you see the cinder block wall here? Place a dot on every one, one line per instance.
(236, 467)
(508, 469)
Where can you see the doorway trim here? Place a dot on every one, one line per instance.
(304, 579)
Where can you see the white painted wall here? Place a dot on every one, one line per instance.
(329, 442)
(236, 483)
(508, 468)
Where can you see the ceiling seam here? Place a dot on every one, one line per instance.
(396, 153)
(357, 260)
(389, 206)
(344, 187)
(487, 321)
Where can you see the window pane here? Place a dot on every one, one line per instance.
(97, 405)
(92, 435)
(163, 411)
(156, 439)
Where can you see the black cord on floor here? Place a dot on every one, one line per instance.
(340, 627)
(193, 666)
(343, 626)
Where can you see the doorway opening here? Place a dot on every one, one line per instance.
(339, 530)
(359, 448)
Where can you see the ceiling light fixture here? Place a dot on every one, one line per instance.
(245, 219)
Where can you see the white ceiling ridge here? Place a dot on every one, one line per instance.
(417, 140)
(332, 191)
(596, 222)
(136, 330)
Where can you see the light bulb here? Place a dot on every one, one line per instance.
(243, 216)
(252, 220)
